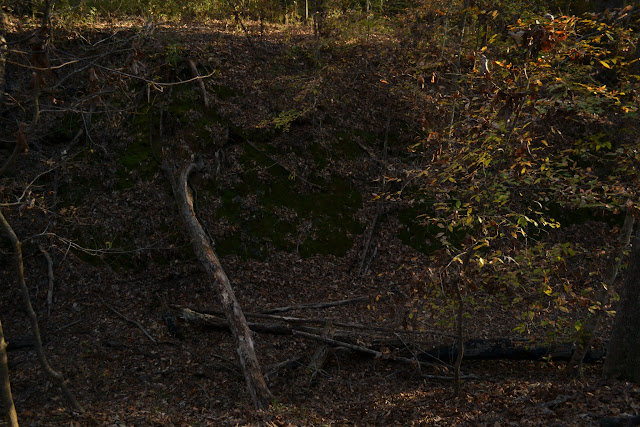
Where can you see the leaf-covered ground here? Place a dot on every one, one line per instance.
(301, 138)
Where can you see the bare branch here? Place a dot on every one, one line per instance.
(144, 331)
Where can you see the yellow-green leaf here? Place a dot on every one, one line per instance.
(604, 64)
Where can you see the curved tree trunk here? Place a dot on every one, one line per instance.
(256, 384)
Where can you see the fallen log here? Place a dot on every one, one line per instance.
(213, 321)
(322, 322)
(507, 349)
(475, 349)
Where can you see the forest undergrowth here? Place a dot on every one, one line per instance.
(446, 174)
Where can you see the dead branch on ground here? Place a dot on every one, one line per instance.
(315, 305)
(292, 363)
(138, 325)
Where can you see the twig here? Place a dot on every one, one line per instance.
(446, 30)
(448, 378)
(128, 320)
(459, 340)
(206, 393)
(229, 365)
(294, 362)
(236, 14)
(413, 354)
(383, 188)
(315, 305)
(371, 258)
(459, 320)
(68, 325)
(50, 276)
(11, 159)
(291, 172)
(369, 238)
(25, 190)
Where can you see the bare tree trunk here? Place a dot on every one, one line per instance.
(57, 377)
(623, 355)
(242, 335)
(459, 339)
(5, 384)
(46, 17)
(574, 368)
(459, 282)
(3, 55)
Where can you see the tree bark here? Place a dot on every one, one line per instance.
(623, 355)
(5, 384)
(3, 56)
(574, 368)
(260, 394)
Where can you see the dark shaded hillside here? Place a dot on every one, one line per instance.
(353, 165)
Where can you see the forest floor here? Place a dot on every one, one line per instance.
(292, 98)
